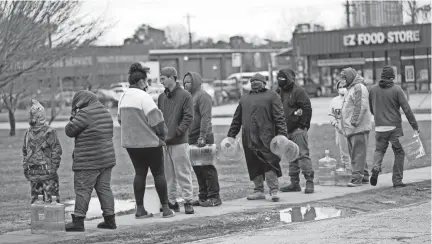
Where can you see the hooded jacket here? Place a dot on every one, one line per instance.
(176, 107)
(92, 128)
(41, 148)
(292, 100)
(385, 101)
(202, 111)
(355, 115)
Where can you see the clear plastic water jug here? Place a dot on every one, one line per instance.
(231, 149)
(38, 216)
(342, 176)
(54, 217)
(203, 155)
(327, 167)
(284, 148)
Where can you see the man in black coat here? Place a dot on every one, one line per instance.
(260, 112)
(298, 114)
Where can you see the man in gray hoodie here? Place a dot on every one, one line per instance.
(176, 106)
(201, 134)
(385, 101)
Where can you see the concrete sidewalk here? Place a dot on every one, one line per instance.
(128, 222)
(411, 224)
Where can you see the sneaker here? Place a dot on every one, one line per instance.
(274, 196)
(212, 202)
(374, 177)
(291, 188)
(188, 208)
(399, 185)
(365, 180)
(256, 196)
(168, 213)
(354, 184)
(198, 202)
(175, 207)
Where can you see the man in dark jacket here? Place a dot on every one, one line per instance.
(91, 125)
(298, 114)
(176, 105)
(385, 101)
(201, 134)
(260, 112)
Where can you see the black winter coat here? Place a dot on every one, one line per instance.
(262, 117)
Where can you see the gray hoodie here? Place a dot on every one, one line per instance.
(202, 108)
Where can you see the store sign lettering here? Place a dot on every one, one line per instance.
(406, 36)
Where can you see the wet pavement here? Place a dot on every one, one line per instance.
(311, 213)
(151, 204)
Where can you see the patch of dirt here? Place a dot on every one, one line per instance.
(202, 228)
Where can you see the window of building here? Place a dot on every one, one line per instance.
(408, 69)
(421, 69)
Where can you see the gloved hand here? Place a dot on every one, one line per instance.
(201, 142)
(299, 112)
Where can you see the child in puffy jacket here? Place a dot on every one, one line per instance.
(42, 155)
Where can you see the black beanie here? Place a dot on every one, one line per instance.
(387, 73)
(258, 77)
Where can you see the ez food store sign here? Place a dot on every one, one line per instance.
(374, 38)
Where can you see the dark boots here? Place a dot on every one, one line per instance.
(77, 224)
(294, 186)
(188, 207)
(109, 223)
(309, 183)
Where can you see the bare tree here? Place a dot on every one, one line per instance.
(176, 35)
(34, 35)
(417, 13)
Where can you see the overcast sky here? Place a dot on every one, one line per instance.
(218, 19)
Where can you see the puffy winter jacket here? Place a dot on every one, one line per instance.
(92, 127)
(355, 115)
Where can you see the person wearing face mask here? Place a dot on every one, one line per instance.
(298, 114)
(356, 121)
(335, 120)
(201, 134)
(176, 105)
(260, 113)
(143, 132)
(385, 101)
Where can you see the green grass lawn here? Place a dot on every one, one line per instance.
(233, 176)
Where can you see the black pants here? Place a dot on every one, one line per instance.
(207, 176)
(208, 181)
(143, 159)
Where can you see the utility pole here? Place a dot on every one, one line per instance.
(347, 13)
(188, 17)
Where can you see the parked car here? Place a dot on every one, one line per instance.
(230, 88)
(155, 90)
(119, 88)
(211, 91)
(310, 87)
(107, 98)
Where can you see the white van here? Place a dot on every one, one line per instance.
(246, 76)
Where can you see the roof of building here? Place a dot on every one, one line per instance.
(209, 50)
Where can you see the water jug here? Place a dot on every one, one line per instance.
(284, 148)
(54, 217)
(342, 176)
(327, 167)
(37, 216)
(203, 155)
(231, 149)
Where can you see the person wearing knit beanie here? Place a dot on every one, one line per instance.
(385, 101)
(260, 116)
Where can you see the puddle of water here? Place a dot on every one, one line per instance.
(309, 213)
(151, 203)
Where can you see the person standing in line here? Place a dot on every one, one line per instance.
(385, 101)
(298, 114)
(42, 155)
(92, 127)
(356, 123)
(335, 120)
(260, 113)
(177, 108)
(143, 132)
(201, 134)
